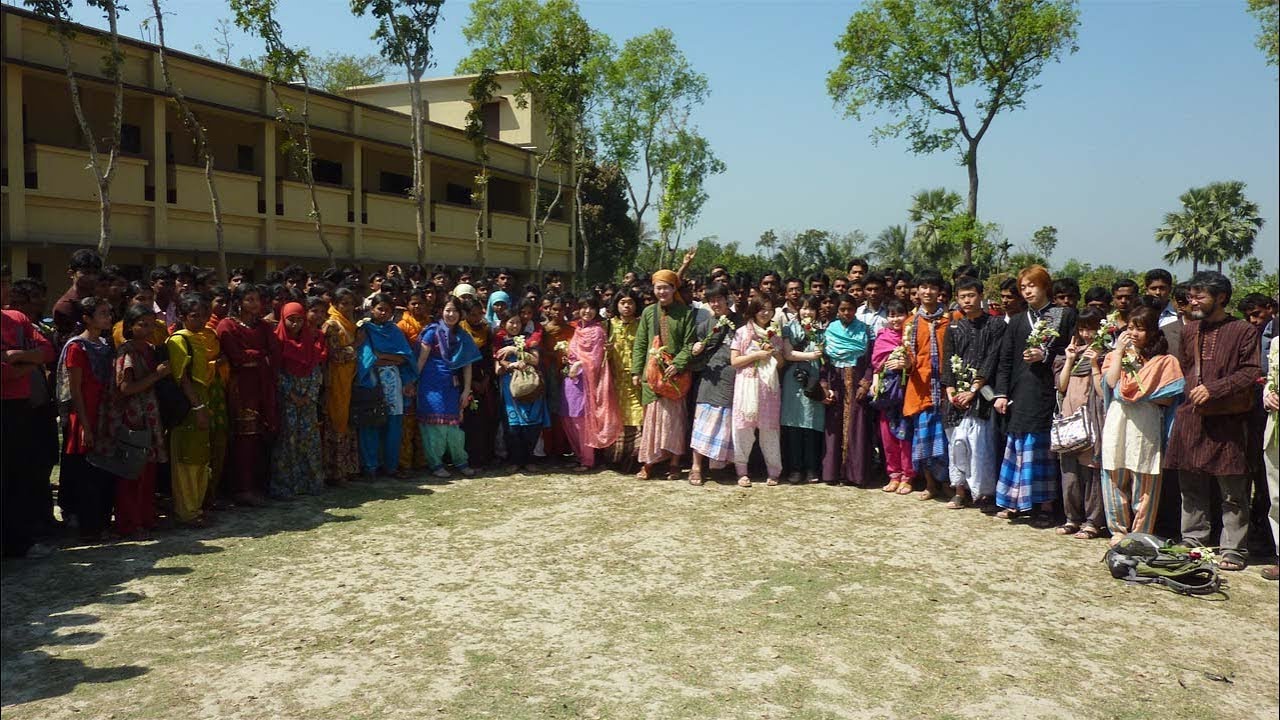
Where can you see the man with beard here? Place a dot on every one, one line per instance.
(1221, 361)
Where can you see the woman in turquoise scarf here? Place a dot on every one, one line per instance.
(383, 360)
(445, 351)
(497, 309)
(849, 441)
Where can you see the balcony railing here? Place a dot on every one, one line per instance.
(237, 192)
(64, 172)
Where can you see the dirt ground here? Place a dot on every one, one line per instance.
(603, 597)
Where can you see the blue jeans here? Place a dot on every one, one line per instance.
(381, 444)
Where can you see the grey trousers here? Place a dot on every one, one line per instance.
(1197, 488)
(1082, 493)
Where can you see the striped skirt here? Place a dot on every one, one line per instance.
(713, 432)
(665, 432)
(929, 443)
(1029, 473)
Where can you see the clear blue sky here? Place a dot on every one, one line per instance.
(1162, 96)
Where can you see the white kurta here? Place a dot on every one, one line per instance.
(1131, 437)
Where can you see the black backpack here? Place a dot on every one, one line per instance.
(1186, 568)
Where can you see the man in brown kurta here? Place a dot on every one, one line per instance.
(1220, 358)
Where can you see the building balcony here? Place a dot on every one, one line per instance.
(237, 192)
(390, 213)
(555, 234)
(294, 202)
(510, 229)
(63, 172)
(454, 221)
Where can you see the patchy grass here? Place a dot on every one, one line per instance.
(603, 597)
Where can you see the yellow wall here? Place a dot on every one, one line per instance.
(161, 205)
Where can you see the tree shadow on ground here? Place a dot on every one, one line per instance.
(46, 602)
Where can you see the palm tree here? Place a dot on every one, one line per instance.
(931, 210)
(890, 246)
(1217, 224)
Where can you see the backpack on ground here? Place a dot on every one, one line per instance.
(1186, 568)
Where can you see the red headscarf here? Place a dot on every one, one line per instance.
(302, 354)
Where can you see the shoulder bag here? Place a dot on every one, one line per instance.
(173, 403)
(676, 386)
(368, 404)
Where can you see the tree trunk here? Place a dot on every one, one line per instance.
(971, 163)
(308, 177)
(577, 221)
(201, 142)
(421, 223)
(104, 219)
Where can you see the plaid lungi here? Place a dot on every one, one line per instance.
(713, 432)
(1029, 473)
(929, 444)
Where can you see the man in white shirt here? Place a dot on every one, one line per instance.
(1159, 283)
(872, 312)
(790, 308)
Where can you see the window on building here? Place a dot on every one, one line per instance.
(394, 183)
(457, 194)
(327, 171)
(505, 196)
(492, 119)
(168, 146)
(131, 138)
(244, 158)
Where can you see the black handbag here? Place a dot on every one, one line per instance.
(369, 405)
(173, 403)
(128, 454)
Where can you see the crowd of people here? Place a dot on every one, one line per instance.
(168, 400)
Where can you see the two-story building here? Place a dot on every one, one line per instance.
(160, 202)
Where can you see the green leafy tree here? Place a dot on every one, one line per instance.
(332, 72)
(561, 61)
(58, 13)
(917, 60)
(404, 35)
(282, 63)
(1217, 224)
(199, 137)
(606, 222)
(891, 246)
(1248, 277)
(652, 90)
(932, 212)
(1045, 240)
(683, 190)
(1268, 14)
(1089, 275)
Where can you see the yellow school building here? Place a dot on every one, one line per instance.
(160, 202)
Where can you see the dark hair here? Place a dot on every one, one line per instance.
(245, 274)
(132, 315)
(1148, 318)
(860, 282)
(820, 278)
(90, 305)
(221, 291)
(160, 273)
(1009, 283)
(842, 298)
(28, 287)
(181, 270)
(1157, 274)
(1097, 293)
(715, 290)
(1066, 286)
(242, 291)
(471, 304)
(1253, 301)
(1124, 283)
(315, 301)
(552, 275)
(456, 302)
(757, 305)
(333, 275)
(137, 287)
(873, 277)
(274, 277)
(85, 259)
(590, 299)
(1180, 292)
(190, 303)
(932, 278)
(635, 300)
(795, 280)
(380, 298)
(295, 272)
(112, 272)
(1212, 282)
(968, 282)
(894, 306)
(964, 270)
(1090, 319)
(527, 303)
(813, 302)
(858, 262)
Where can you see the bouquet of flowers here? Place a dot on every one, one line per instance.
(720, 325)
(965, 375)
(1131, 363)
(474, 405)
(562, 349)
(898, 353)
(1111, 327)
(813, 336)
(770, 333)
(1042, 333)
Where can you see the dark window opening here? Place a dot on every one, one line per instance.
(492, 119)
(327, 171)
(457, 194)
(131, 139)
(244, 158)
(168, 146)
(394, 183)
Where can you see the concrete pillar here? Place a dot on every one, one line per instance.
(268, 185)
(18, 261)
(357, 198)
(159, 175)
(15, 221)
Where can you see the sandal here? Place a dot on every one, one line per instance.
(1087, 532)
(771, 482)
(892, 486)
(904, 488)
(644, 473)
(1231, 564)
(1067, 528)
(744, 481)
(695, 476)
(1008, 514)
(958, 502)
(673, 474)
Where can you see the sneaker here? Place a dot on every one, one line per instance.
(442, 473)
